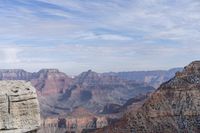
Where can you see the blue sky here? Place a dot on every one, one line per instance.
(102, 35)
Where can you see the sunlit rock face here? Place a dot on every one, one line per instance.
(50, 81)
(174, 107)
(19, 108)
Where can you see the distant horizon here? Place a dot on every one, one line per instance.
(89, 70)
(102, 35)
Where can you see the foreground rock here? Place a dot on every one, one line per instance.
(19, 108)
(174, 107)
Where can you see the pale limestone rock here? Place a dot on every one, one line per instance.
(19, 107)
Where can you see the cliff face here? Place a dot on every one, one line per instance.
(50, 81)
(174, 107)
(78, 120)
(19, 107)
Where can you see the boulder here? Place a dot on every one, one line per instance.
(19, 107)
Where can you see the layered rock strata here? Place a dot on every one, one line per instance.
(173, 108)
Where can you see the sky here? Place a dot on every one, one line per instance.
(102, 35)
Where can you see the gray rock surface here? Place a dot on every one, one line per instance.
(19, 107)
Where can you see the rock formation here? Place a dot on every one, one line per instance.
(19, 107)
(60, 93)
(76, 123)
(151, 78)
(15, 74)
(93, 91)
(173, 108)
(46, 81)
(50, 81)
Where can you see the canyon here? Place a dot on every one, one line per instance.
(60, 93)
(100, 98)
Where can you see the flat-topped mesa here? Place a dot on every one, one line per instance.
(12, 70)
(14, 74)
(19, 108)
(49, 70)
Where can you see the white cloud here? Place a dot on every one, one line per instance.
(103, 35)
(10, 55)
(109, 37)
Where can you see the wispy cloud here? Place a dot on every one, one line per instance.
(103, 35)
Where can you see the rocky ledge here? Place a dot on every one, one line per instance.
(19, 108)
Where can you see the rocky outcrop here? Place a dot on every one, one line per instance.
(174, 107)
(19, 107)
